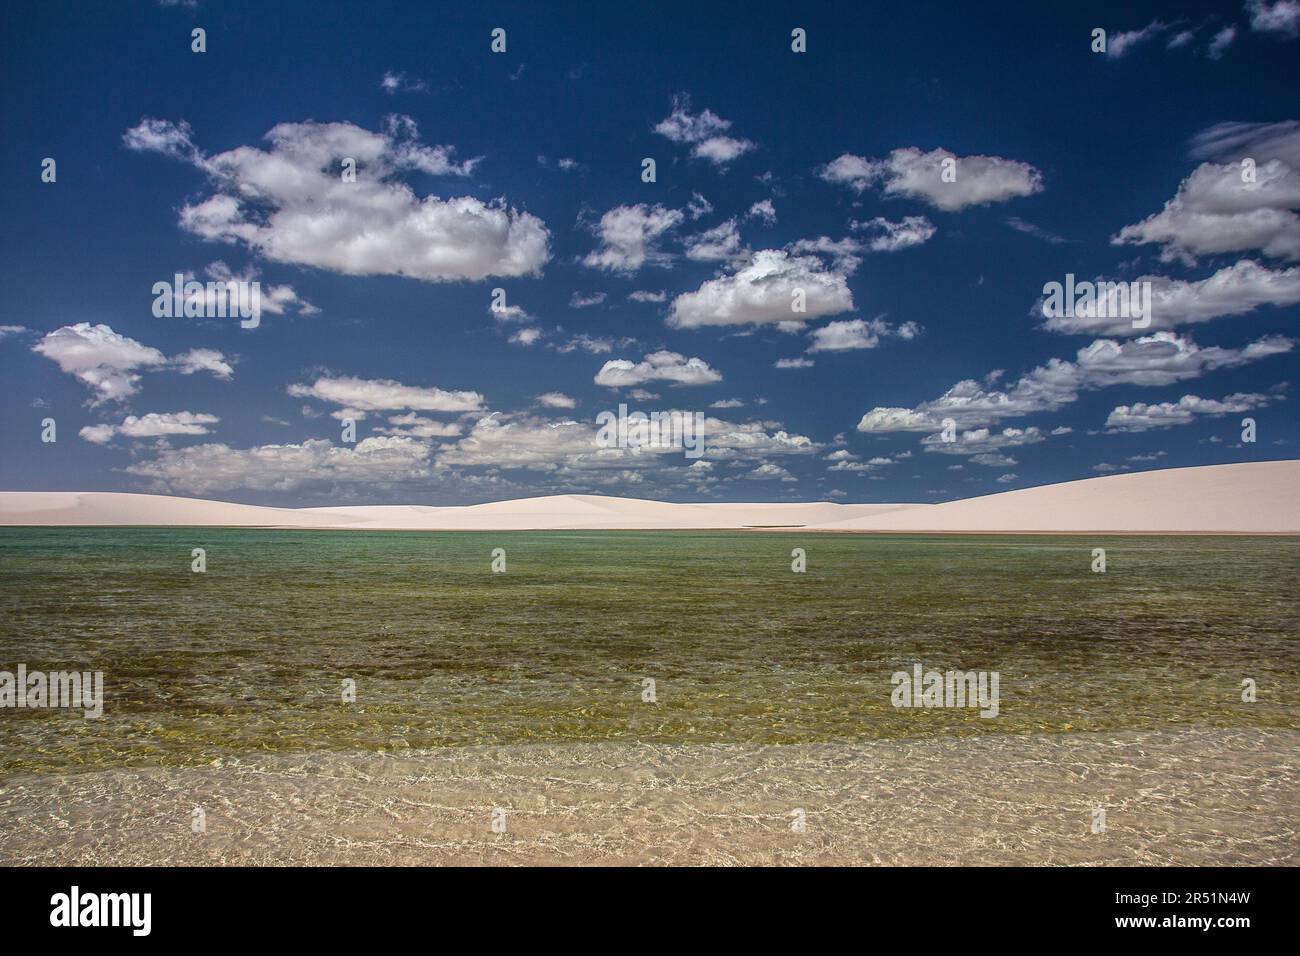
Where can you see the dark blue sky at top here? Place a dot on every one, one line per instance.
(590, 81)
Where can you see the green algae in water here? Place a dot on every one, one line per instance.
(251, 655)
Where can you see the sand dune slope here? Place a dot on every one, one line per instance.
(1254, 497)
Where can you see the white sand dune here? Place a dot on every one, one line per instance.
(112, 508)
(554, 512)
(1251, 498)
(557, 512)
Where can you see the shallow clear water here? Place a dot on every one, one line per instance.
(250, 656)
(1186, 797)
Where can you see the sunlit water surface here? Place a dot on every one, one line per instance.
(250, 657)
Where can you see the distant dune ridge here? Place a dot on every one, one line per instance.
(1248, 498)
(553, 512)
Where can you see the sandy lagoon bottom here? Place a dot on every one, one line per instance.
(1187, 796)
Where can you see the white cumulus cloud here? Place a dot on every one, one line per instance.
(629, 237)
(764, 291)
(110, 363)
(1141, 417)
(858, 334)
(705, 131)
(1234, 290)
(152, 425)
(917, 174)
(204, 469)
(556, 400)
(372, 395)
(892, 236)
(1275, 16)
(1225, 207)
(291, 203)
(1159, 359)
(661, 366)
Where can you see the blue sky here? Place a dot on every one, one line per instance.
(775, 171)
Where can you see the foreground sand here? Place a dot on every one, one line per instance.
(1248, 498)
(1191, 796)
